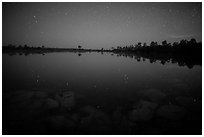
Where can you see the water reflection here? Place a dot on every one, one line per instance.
(162, 58)
(64, 93)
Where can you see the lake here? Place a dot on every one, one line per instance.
(99, 93)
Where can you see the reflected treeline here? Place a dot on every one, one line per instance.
(185, 53)
(163, 58)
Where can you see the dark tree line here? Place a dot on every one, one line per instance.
(183, 47)
(185, 53)
(20, 47)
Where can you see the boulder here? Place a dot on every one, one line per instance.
(92, 116)
(57, 122)
(126, 126)
(153, 94)
(51, 103)
(117, 115)
(171, 112)
(88, 110)
(66, 99)
(36, 104)
(40, 94)
(20, 96)
(143, 111)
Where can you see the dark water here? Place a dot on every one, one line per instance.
(93, 93)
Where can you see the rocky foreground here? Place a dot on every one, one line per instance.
(37, 112)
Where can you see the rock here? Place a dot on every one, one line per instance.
(100, 130)
(57, 122)
(20, 96)
(101, 118)
(179, 85)
(92, 116)
(89, 110)
(117, 115)
(51, 103)
(69, 124)
(36, 104)
(171, 112)
(25, 104)
(190, 103)
(126, 123)
(40, 94)
(126, 126)
(143, 112)
(153, 94)
(86, 121)
(66, 99)
(75, 117)
(152, 131)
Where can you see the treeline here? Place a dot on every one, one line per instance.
(185, 53)
(184, 47)
(25, 48)
(20, 47)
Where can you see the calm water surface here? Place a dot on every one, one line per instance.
(93, 93)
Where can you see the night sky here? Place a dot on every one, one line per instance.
(99, 25)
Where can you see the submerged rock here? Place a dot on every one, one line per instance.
(100, 130)
(69, 124)
(66, 99)
(153, 94)
(117, 115)
(126, 126)
(40, 94)
(101, 118)
(143, 111)
(51, 103)
(171, 112)
(75, 117)
(152, 131)
(57, 122)
(88, 110)
(20, 96)
(36, 104)
(86, 122)
(192, 104)
(185, 101)
(92, 116)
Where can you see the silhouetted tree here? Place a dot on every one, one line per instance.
(175, 44)
(164, 43)
(192, 41)
(79, 47)
(145, 44)
(25, 46)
